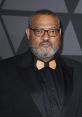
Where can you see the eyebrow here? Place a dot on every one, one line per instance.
(44, 28)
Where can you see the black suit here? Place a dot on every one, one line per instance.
(20, 94)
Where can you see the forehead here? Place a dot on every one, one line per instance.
(45, 21)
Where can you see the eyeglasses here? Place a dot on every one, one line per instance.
(52, 32)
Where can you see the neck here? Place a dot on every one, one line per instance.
(46, 59)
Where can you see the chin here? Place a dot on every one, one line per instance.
(43, 53)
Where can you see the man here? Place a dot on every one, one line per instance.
(40, 82)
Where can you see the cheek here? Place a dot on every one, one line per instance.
(35, 42)
(56, 43)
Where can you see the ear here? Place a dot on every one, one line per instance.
(28, 33)
(60, 31)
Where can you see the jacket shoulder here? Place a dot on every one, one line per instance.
(71, 62)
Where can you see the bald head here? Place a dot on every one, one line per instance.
(42, 12)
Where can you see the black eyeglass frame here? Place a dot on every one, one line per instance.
(41, 29)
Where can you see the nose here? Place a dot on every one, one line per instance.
(45, 36)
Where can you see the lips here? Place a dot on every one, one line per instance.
(45, 44)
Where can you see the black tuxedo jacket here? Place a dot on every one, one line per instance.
(20, 94)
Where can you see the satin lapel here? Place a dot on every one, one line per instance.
(68, 85)
(36, 91)
(28, 77)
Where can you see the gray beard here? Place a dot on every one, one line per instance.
(41, 55)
